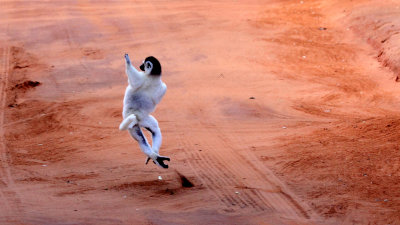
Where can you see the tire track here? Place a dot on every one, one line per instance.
(4, 174)
(245, 198)
(214, 181)
(272, 195)
(282, 193)
(232, 177)
(7, 190)
(232, 172)
(222, 181)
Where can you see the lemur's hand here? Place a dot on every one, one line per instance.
(148, 159)
(128, 61)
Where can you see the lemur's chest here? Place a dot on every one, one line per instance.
(147, 90)
(142, 98)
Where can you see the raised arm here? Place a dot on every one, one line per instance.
(135, 77)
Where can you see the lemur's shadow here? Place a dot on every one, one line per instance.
(176, 185)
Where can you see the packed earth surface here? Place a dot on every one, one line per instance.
(277, 112)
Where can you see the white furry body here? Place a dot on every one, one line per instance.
(142, 95)
(142, 100)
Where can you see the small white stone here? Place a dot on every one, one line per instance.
(304, 56)
(44, 165)
(236, 192)
(159, 178)
(284, 127)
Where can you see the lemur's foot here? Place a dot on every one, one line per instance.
(160, 161)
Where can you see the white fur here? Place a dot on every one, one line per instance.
(142, 95)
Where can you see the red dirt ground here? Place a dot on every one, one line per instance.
(278, 112)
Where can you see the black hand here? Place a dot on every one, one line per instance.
(147, 160)
(127, 58)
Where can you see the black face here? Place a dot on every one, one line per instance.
(156, 65)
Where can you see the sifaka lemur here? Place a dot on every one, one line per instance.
(144, 91)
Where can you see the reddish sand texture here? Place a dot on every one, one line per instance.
(277, 112)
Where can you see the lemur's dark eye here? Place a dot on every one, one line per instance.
(148, 65)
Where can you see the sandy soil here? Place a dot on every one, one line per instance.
(277, 112)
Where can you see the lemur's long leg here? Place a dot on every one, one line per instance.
(151, 124)
(137, 134)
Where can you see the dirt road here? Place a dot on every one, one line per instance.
(277, 112)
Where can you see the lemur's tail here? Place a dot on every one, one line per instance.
(128, 122)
